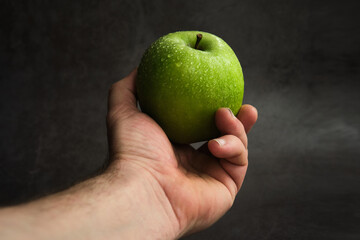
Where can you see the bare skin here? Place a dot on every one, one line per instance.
(152, 188)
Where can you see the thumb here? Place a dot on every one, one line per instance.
(122, 95)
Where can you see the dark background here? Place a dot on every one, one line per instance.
(301, 66)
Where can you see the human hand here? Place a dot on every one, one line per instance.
(189, 188)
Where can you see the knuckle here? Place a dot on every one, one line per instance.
(240, 144)
(234, 125)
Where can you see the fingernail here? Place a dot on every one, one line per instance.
(231, 112)
(220, 141)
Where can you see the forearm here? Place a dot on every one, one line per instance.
(105, 207)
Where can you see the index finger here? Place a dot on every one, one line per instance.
(123, 92)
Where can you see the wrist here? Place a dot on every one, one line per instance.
(145, 209)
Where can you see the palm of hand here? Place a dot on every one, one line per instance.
(199, 187)
(194, 182)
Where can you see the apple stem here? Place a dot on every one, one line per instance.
(198, 38)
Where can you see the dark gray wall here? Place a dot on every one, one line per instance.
(301, 66)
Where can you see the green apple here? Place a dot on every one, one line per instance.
(183, 78)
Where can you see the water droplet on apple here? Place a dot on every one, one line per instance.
(178, 64)
(162, 59)
(169, 55)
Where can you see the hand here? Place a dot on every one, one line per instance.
(192, 188)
